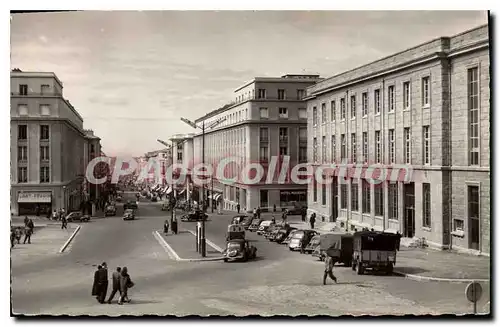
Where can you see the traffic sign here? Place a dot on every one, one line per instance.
(473, 291)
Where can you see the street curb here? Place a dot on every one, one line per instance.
(61, 250)
(438, 279)
(173, 255)
(212, 244)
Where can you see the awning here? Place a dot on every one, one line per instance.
(217, 197)
(181, 192)
(169, 190)
(35, 197)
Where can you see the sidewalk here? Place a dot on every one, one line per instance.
(182, 247)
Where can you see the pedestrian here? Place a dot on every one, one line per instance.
(95, 285)
(54, 215)
(18, 233)
(274, 207)
(26, 219)
(398, 242)
(174, 226)
(115, 284)
(238, 207)
(31, 226)
(304, 214)
(258, 212)
(312, 220)
(64, 223)
(125, 284)
(273, 220)
(329, 262)
(165, 227)
(103, 282)
(27, 234)
(12, 238)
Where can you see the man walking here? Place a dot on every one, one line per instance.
(27, 234)
(329, 262)
(116, 284)
(312, 220)
(103, 282)
(304, 214)
(64, 223)
(238, 207)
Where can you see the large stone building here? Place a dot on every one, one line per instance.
(267, 119)
(49, 147)
(427, 108)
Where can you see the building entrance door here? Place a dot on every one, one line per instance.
(335, 198)
(409, 210)
(264, 201)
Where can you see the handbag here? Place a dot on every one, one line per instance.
(130, 284)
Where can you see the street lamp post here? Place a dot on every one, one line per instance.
(193, 125)
(64, 198)
(172, 193)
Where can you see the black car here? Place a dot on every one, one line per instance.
(110, 211)
(130, 205)
(283, 234)
(296, 210)
(194, 216)
(255, 224)
(242, 220)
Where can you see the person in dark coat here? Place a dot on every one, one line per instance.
(329, 262)
(165, 227)
(116, 284)
(95, 286)
(174, 226)
(103, 282)
(12, 238)
(304, 214)
(238, 207)
(64, 222)
(398, 243)
(27, 235)
(125, 284)
(312, 220)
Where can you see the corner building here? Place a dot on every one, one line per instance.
(268, 118)
(426, 108)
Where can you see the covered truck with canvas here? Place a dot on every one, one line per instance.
(338, 246)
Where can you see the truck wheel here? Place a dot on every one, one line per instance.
(353, 266)
(390, 268)
(225, 259)
(359, 268)
(348, 263)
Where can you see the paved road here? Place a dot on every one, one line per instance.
(279, 282)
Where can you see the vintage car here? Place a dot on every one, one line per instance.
(110, 211)
(119, 198)
(374, 250)
(165, 206)
(313, 243)
(300, 239)
(77, 216)
(195, 215)
(296, 210)
(129, 214)
(289, 237)
(235, 231)
(239, 249)
(130, 205)
(255, 224)
(271, 230)
(243, 220)
(264, 226)
(283, 233)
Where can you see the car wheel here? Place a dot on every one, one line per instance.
(390, 268)
(359, 268)
(225, 259)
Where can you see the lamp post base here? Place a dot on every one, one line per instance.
(203, 247)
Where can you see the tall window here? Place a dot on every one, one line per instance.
(391, 98)
(406, 95)
(473, 106)
(315, 189)
(303, 134)
(283, 132)
(22, 109)
(342, 109)
(22, 174)
(22, 153)
(343, 148)
(44, 175)
(353, 147)
(354, 195)
(427, 145)
(283, 150)
(300, 94)
(379, 199)
(334, 149)
(376, 101)
(315, 116)
(364, 104)
(366, 196)
(302, 154)
(323, 149)
(333, 110)
(264, 152)
(323, 113)
(473, 216)
(392, 147)
(264, 113)
(283, 112)
(281, 94)
(323, 191)
(315, 150)
(378, 148)
(425, 91)
(264, 135)
(353, 106)
(22, 132)
(264, 144)
(393, 200)
(407, 145)
(426, 196)
(44, 153)
(261, 94)
(343, 196)
(23, 89)
(365, 147)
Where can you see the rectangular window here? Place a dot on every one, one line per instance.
(22, 132)
(323, 191)
(281, 94)
(406, 95)
(302, 134)
(45, 89)
(22, 109)
(45, 109)
(378, 148)
(376, 101)
(407, 140)
(366, 191)
(315, 116)
(315, 190)
(365, 147)
(323, 149)
(473, 107)
(427, 145)
(22, 153)
(264, 153)
(323, 113)
(473, 202)
(44, 153)
(302, 113)
(391, 98)
(342, 109)
(300, 94)
(458, 225)
(264, 135)
(283, 112)
(353, 106)
(353, 148)
(303, 154)
(332, 110)
(343, 146)
(426, 197)
(179, 156)
(392, 147)
(264, 113)
(343, 196)
(354, 195)
(333, 149)
(315, 150)
(364, 104)
(23, 89)
(283, 133)
(379, 199)
(261, 94)
(425, 91)
(393, 200)
(22, 174)
(44, 175)
(283, 150)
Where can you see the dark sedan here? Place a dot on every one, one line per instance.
(130, 205)
(194, 216)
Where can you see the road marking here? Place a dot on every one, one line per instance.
(212, 244)
(61, 250)
(171, 253)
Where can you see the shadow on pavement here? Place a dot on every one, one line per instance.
(409, 270)
(134, 301)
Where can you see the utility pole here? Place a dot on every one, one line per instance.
(212, 192)
(203, 244)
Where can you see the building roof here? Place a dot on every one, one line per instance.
(16, 72)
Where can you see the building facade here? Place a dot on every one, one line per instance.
(426, 109)
(267, 119)
(163, 157)
(49, 147)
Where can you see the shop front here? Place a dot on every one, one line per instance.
(291, 198)
(34, 203)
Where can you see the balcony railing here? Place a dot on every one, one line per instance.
(267, 98)
(36, 94)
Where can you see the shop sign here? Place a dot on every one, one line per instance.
(34, 197)
(293, 192)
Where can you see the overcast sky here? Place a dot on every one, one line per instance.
(131, 75)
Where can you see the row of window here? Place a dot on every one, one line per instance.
(22, 174)
(22, 132)
(393, 192)
(283, 143)
(263, 94)
(44, 89)
(282, 112)
(229, 119)
(407, 147)
(22, 153)
(44, 110)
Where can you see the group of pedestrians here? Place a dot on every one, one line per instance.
(120, 282)
(18, 232)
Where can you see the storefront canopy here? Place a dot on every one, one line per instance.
(35, 197)
(217, 197)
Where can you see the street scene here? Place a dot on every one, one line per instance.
(358, 186)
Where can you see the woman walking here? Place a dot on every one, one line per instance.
(125, 284)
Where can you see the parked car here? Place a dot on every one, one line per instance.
(283, 234)
(296, 210)
(289, 237)
(110, 211)
(194, 215)
(165, 206)
(119, 198)
(272, 229)
(239, 249)
(264, 226)
(77, 216)
(255, 224)
(130, 205)
(243, 220)
(312, 244)
(300, 239)
(129, 214)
